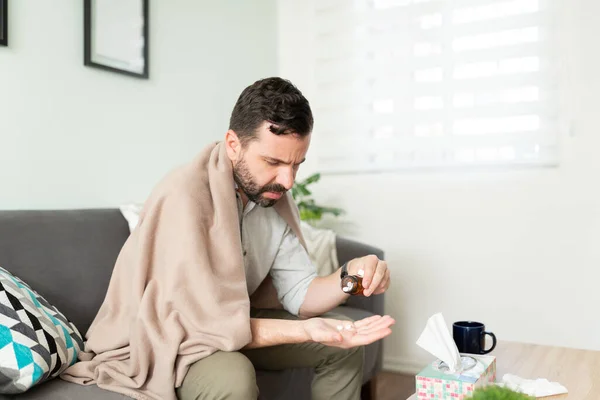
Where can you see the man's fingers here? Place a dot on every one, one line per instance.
(370, 321)
(385, 321)
(361, 340)
(367, 265)
(382, 323)
(378, 276)
(366, 321)
(385, 283)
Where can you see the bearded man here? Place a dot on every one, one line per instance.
(215, 279)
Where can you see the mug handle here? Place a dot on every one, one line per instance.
(493, 342)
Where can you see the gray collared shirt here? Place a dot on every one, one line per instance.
(270, 246)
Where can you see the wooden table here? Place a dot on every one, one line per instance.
(577, 370)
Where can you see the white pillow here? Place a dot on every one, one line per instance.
(131, 212)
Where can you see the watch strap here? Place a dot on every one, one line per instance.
(344, 271)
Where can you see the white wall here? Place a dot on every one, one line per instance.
(73, 136)
(517, 249)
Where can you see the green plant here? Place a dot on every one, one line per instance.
(494, 392)
(309, 210)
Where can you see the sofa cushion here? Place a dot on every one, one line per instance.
(58, 389)
(64, 255)
(37, 342)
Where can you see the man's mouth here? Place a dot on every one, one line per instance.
(272, 195)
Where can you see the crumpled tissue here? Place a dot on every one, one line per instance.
(532, 387)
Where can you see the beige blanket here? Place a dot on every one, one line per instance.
(178, 290)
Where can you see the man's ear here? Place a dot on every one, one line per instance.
(233, 145)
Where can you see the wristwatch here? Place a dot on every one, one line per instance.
(344, 271)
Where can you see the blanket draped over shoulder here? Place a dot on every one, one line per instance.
(178, 289)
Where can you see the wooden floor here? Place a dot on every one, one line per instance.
(394, 386)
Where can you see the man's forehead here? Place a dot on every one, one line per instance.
(281, 147)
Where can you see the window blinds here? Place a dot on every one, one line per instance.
(433, 83)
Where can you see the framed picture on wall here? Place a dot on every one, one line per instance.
(3, 22)
(116, 36)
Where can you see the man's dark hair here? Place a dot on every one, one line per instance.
(275, 100)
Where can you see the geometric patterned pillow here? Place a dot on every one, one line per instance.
(37, 342)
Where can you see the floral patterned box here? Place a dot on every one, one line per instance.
(435, 382)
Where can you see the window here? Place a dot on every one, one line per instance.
(433, 83)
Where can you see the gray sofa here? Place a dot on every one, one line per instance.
(67, 256)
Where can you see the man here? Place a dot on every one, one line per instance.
(199, 286)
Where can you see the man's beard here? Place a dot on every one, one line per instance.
(254, 192)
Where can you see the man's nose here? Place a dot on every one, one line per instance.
(286, 178)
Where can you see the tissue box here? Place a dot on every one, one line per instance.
(435, 383)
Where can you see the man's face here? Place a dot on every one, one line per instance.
(266, 167)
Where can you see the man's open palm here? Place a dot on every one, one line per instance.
(346, 334)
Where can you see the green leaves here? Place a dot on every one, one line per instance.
(493, 392)
(309, 210)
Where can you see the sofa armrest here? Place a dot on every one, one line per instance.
(347, 250)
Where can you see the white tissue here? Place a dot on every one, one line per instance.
(437, 340)
(532, 387)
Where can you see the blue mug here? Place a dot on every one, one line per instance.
(469, 337)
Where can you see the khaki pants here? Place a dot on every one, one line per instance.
(230, 375)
